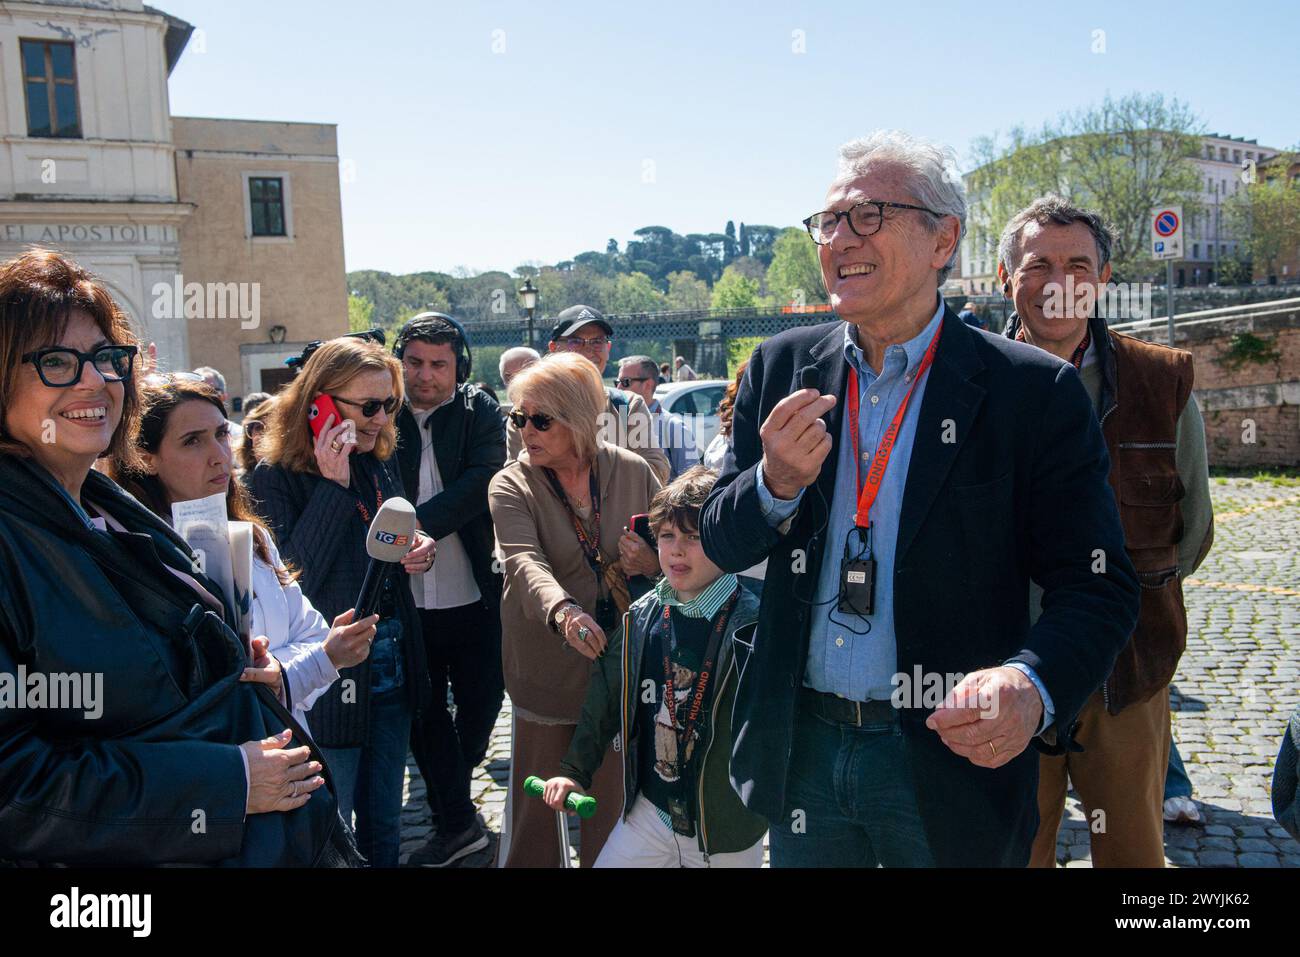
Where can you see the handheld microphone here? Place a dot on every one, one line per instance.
(390, 537)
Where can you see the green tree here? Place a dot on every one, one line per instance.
(739, 350)
(735, 290)
(635, 293)
(687, 291)
(1122, 158)
(795, 275)
(360, 312)
(1266, 214)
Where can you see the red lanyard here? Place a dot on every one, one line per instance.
(875, 475)
(696, 701)
(379, 502)
(590, 545)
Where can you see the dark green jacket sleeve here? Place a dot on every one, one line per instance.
(599, 721)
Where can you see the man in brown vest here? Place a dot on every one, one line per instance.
(1053, 261)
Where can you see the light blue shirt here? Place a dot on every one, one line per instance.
(676, 439)
(849, 655)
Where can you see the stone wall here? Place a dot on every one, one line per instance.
(1251, 405)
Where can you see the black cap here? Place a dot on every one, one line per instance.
(575, 317)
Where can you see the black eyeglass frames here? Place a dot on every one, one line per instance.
(372, 406)
(60, 367)
(865, 219)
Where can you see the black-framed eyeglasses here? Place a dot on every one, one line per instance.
(573, 342)
(626, 381)
(541, 421)
(60, 367)
(371, 407)
(865, 219)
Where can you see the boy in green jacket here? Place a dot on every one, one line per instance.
(664, 689)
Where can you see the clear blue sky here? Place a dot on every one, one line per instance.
(466, 157)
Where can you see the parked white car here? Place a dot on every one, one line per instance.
(696, 402)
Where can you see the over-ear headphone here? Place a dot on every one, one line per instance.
(421, 323)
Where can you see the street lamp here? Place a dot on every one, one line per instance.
(528, 296)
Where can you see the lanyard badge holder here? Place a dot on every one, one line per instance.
(858, 567)
(858, 575)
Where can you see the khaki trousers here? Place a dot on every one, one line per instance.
(533, 841)
(1120, 779)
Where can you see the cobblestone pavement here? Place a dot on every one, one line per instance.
(1234, 691)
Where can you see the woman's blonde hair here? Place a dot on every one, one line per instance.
(568, 388)
(289, 441)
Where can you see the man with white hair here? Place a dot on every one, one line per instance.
(512, 362)
(905, 474)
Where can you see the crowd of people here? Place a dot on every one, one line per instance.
(716, 644)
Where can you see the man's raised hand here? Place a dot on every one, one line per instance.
(795, 442)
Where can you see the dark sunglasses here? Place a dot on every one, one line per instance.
(60, 367)
(371, 407)
(626, 381)
(541, 421)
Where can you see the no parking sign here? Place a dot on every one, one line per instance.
(1167, 232)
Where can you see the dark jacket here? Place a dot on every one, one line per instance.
(157, 778)
(321, 532)
(1021, 491)
(1144, 389)
(469, 443)
(726, 826)
(1286, 804)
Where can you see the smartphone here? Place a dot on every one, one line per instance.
(641, 525)
(322, 407)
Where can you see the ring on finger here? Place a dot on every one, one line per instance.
(583, 632)
(336, 445)
(993, 749)
(294, 792)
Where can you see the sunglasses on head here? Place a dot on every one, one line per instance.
(371, 407)
(541, 421)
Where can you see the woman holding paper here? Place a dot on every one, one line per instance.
(96, 591)
(185, 460)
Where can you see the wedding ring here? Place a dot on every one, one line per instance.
(336, 445)
(993, 749)
(295, 790)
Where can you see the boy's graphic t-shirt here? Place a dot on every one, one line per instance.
(664, 754)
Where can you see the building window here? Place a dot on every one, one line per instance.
(1196, 250)
(266, 205)
(50, 82)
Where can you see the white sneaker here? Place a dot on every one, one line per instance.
(1182, 810)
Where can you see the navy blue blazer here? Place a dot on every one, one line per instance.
(1021, 492)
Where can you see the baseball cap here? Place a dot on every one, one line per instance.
(575, 317)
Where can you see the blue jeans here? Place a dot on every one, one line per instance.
(369, 779)
(855, 791)
(1177, 783)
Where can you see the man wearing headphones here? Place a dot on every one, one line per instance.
(450, 444)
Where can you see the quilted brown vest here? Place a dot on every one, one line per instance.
(1141, 429)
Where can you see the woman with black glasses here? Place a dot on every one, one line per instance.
(144, 746)
(319, 494)
(559, 511)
